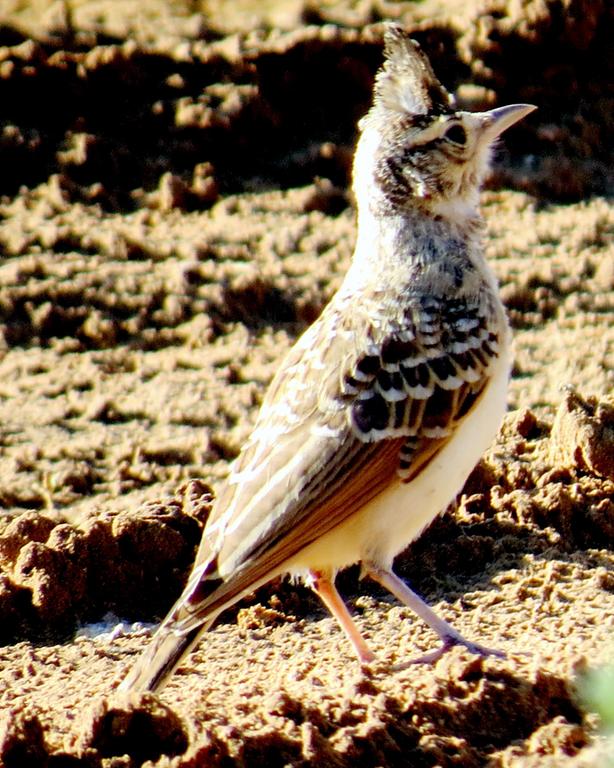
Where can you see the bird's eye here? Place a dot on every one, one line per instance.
(456, 133)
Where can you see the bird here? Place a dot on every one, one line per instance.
(385, 404)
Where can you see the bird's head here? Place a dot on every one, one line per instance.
(416, 149)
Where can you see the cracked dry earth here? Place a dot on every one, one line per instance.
(175, 211)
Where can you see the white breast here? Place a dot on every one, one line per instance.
(391, 521)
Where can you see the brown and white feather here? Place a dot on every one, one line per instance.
(384, 405)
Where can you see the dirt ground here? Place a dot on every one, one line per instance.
(175, 210)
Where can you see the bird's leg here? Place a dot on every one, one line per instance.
(325, 589)
(449, 636)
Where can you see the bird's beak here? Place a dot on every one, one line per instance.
(498, 120)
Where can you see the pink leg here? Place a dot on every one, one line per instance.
(449, 636)
(323, 586)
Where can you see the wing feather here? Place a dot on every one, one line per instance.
(341, 420)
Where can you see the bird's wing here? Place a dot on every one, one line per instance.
(359, 401)
(355, 404)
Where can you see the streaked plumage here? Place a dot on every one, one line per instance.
(382, 408)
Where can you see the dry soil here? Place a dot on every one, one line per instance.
(175, 210)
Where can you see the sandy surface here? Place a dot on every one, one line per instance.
(175, 212)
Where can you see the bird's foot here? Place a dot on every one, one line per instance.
(366, 657)
(448, 642)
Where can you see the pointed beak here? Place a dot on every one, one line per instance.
(498, 120)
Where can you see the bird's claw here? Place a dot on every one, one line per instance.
(448, 642)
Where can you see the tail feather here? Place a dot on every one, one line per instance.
(161, 657)
(205, 596)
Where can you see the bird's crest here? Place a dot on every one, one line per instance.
(407, 83)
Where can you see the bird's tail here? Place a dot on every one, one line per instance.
(205, 596)
(163, 654)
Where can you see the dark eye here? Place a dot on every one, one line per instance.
(456, 133)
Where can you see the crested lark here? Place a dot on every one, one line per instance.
(383, 407)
